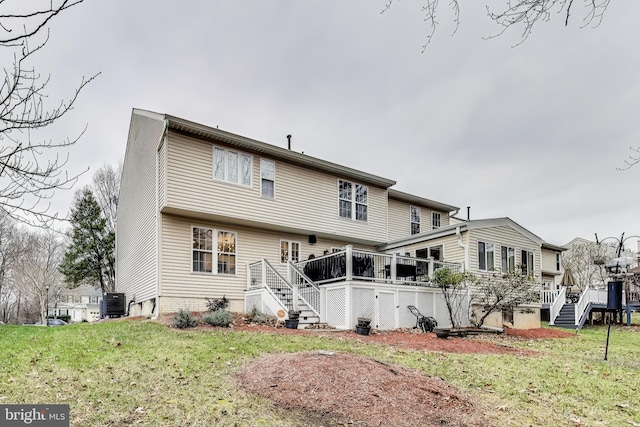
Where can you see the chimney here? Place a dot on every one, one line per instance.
(468, 213)
(289, 141)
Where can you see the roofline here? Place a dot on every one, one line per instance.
(553, 247)
(205, 132)
(410, 198)
(464, 226)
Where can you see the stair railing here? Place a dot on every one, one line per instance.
(554, 309)
(307, 291)
(277, 285)
(581, 306)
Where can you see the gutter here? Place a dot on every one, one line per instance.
(465, 247)
(156, 307)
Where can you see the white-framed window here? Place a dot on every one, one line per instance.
(203, 255)
(415, 219)
(433, 251)
(435, 220)
(267, 178)
(485, 256)
(527, 262)
(226, 252)
(289, 251)
(352, 200)
(232, 166)
(508, 257)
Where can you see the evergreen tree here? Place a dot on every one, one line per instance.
(90, 258)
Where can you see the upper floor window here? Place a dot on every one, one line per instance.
(415, 220)
(267, 178)
(204, 257)
(527, 262)
(93, 299)
(352, 200)
(485, 256)
(231, 166)
(435, 220)
(289, 251)
(508, 259)
(557, 262)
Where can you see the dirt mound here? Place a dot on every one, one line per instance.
(346, 389)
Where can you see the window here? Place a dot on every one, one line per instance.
(557, 262)
(289, 251)
(434, 251)
(267, 178)
(508, 259)
(415, 220)
(202, 250)
(485, 256)
(527, 262)
(93, 300)
(226, 252)
(435, 220)
(231, 166)
(352, 200)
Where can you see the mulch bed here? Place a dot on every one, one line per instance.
(342, 389)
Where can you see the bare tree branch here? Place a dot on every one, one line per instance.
(632, 160)
(31, 171)
(517, 13)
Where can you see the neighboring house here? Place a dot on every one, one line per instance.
(205, 213)
(80, 304)
(552, 269)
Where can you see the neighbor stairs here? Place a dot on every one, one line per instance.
(567, 317)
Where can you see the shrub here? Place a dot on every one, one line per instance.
(215, 304)
(220, 317)
(184, 319)
(256, 316)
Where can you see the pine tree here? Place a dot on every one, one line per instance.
(90, 258)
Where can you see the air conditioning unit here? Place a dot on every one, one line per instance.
(113, 305)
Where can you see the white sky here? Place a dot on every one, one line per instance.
(534, 133)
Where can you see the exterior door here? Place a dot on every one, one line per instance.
(386, 307)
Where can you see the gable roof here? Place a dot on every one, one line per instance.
(213, 134)
(463, 226)
(410, 198)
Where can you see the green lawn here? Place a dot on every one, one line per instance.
(139, 372)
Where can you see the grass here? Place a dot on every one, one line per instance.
(129, 372)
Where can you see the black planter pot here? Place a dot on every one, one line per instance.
(363, 330)
(364, 322)
(294, 315)
(442, 333)
(291, 323)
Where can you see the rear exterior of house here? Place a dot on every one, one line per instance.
(204, 213)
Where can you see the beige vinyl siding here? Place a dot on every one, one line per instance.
(305, 200)
(549, 261)
(136, 229)
(400, 219)
(502, 236)
(182, 288)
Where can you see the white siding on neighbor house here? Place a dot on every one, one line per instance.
(452, 252)
(400, 219)
(136, 229)
(182, 288)
(305, 200)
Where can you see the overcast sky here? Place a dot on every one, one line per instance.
(534, 133)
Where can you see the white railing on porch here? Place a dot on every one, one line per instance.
(548, 297)
(556, 306)
(304, 287)
(352, 264)
(263, 275)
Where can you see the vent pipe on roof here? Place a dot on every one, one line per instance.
(468, 213)
(289, 141)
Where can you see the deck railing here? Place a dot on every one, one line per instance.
(263, 275)
(352, 264)
(549, 296)
(308, 291)
(554, 309)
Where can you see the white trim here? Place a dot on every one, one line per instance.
(262, 159)
(289, 250)
(225, 178)
(215, 253)
(353, 201)
(411, 221)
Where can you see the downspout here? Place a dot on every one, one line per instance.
(465, 247)
(156, 305)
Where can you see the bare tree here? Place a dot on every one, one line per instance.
(454, 287)
(106, 187)
(38, 270)
(633, 159)
(585, 261)
(11, 248)
(517, 13)
(31, 171)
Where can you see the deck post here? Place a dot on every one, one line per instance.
(393, 267)
(431, 268)
(349, 262)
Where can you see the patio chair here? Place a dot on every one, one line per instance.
(425, 323)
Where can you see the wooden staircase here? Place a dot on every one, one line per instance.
(567, 317)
